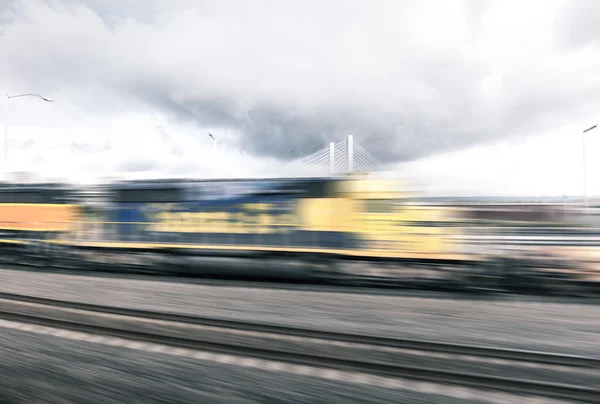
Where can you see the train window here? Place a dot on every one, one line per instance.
(154, 195)
(32, 196)
(317, 189)
(19, 197)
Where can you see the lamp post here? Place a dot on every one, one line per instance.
(214, 141)
(8, 97)
(584, 173)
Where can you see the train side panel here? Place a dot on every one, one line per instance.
(357, 218)
(269, 218)
(37, 217)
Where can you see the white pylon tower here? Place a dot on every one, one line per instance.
(350, 147)
(331, 158)
(340, 158)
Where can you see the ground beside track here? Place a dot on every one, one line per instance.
(562, 328)
(37, 368)
(324, 287)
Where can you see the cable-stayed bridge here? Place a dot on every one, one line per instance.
(344, 157)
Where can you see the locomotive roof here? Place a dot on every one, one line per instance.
(162, 183)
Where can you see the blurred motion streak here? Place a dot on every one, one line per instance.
(360, 228)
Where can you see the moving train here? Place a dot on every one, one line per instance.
(363, 228)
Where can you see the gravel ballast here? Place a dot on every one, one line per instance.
(563, 328)
(44, 369)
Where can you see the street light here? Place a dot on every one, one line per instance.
(8, 97)
(584, 175)
(214, 141)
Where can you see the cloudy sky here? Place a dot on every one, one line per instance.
(464, 97)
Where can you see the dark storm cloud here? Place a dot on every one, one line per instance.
(406, 132)
(202, 108)
(273, 131)
(405, 78)
(269, 130)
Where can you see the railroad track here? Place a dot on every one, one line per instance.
(441, 363)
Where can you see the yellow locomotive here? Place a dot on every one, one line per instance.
(361, 215)
(363, 226)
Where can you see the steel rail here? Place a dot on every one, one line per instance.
(325, 360)
(390, 342)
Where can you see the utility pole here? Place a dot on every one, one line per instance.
(585, 200)
(214, 141)
(8, 97)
